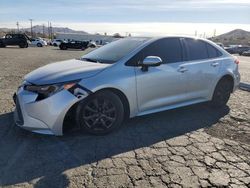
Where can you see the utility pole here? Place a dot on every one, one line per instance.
(31, 33)
(48, 30)
(51, 31)
(43, 31)
(17, 24)
(214, 32)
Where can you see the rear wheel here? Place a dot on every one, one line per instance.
(101, 113)
(39, 45)
(222, 93)
(23, 45)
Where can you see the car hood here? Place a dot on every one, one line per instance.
(64, 71)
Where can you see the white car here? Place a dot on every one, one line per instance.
(38, 42)
(56, 42)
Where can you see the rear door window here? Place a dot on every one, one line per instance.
(196, 49)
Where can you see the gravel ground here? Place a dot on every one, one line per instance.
(186, 147)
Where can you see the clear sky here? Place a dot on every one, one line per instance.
(139, 17)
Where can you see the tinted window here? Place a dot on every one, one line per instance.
(196, 49)
(212, 51)
(169, 50)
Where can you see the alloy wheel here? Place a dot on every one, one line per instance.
(99, 114)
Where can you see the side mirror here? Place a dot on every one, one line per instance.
(150, 61)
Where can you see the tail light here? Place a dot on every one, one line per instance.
(236, 61)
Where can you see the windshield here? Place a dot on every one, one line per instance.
(114, 51)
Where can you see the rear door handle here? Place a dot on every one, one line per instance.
(214, 64)
(182, 69)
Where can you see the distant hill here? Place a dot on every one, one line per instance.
(237, 36)
(38, 29)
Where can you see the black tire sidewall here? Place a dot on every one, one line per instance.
(107, 95)
(63, 47)
(22, 45)
(223, 87)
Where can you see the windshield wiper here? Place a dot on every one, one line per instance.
(90, 60)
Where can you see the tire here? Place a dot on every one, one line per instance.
(101, 113)
(63, 47)
(222, 93)
(39, 45)
(55, 45)
(2, 45)
(23, 45)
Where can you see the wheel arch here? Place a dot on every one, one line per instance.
(70, 115)
(227, 77)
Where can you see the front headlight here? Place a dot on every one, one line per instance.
(45, 91)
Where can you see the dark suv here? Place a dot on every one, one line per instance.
(20, 40)
(74, 45)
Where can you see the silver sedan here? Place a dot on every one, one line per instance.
(126, 78)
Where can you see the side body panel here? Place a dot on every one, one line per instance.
(159, 87)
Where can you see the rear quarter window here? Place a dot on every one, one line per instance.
(212, 51)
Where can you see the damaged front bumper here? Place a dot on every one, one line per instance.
(44, 116)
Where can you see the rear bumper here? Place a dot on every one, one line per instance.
(44, 116)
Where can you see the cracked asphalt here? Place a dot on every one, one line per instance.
(193, 146)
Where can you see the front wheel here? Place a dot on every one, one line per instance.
(2, 45)
(101, 113)
(23, 45)
(222, 93)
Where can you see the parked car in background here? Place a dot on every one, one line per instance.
(39, 42)
(237, 50)
(231, 50)
(92, 44)
(127, 78)
(20, 40)
(221, 45)
(246, 53)
(56, 42)
(243, 49)
(74, 45)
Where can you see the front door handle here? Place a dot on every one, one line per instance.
(214, 64)
(182, 69)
